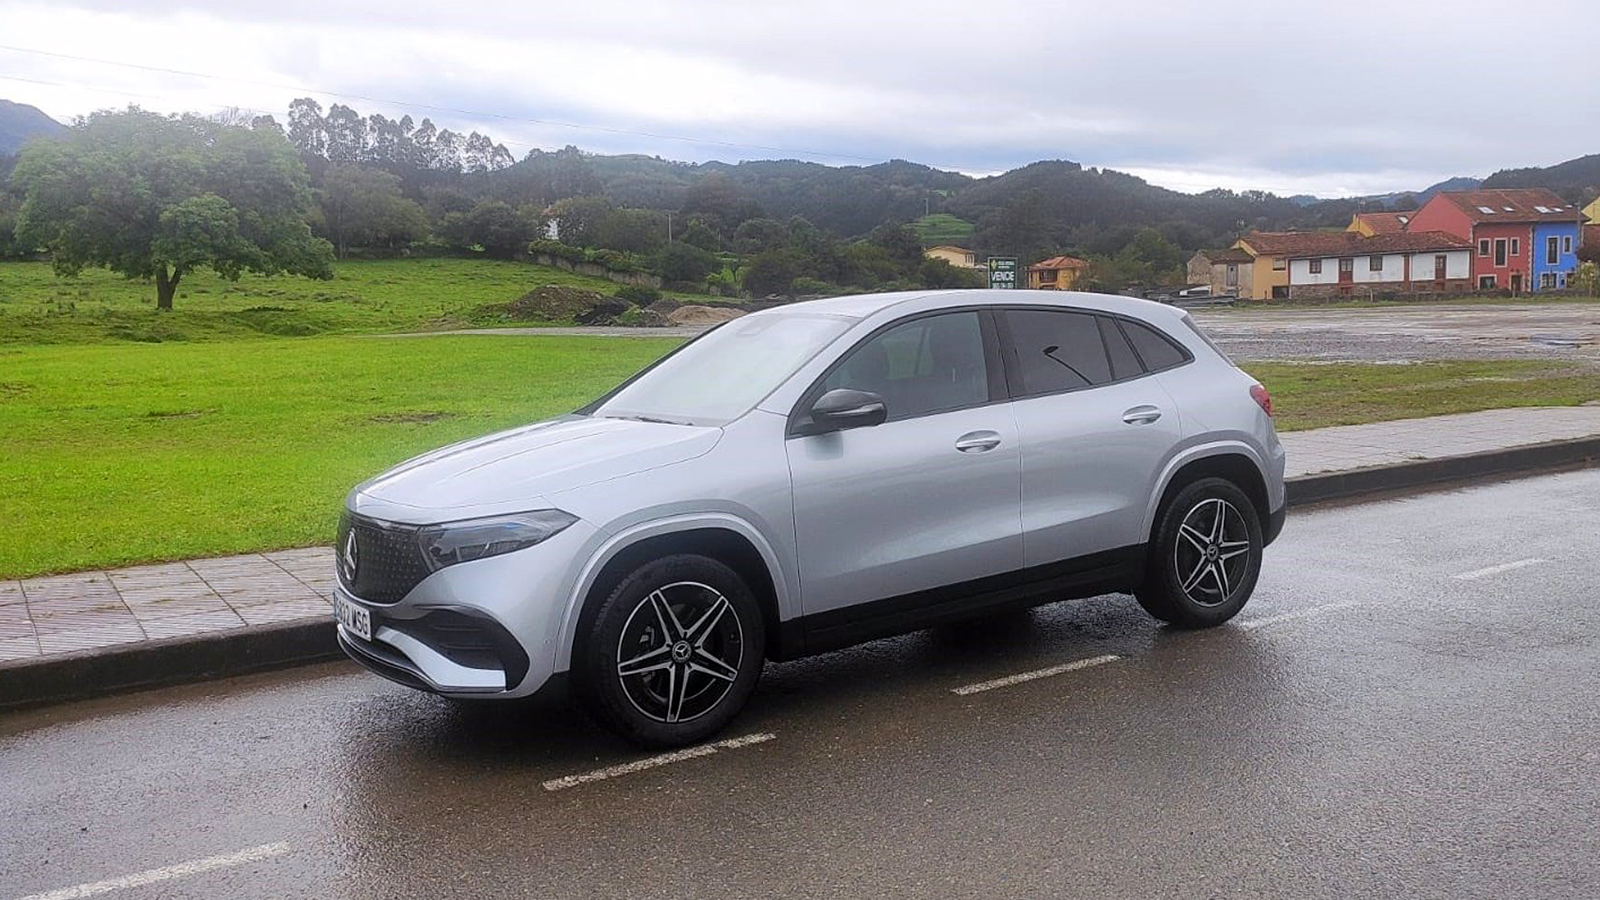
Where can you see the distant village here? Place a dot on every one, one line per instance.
(1516, 241)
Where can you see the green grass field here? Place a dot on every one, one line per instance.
(365, 296)
(125, 453)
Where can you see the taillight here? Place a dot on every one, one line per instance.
(1262, 398)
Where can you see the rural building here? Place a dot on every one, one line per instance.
(1332, 264)
(1230, 273)
(1199, 267)
(1058, 273)
(1511, 232)
(960, 257)
(1373, 223)
(1592, 211)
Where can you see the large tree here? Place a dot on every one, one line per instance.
(363, 207)
(157, 197)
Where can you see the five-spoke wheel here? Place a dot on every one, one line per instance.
(1205, 555)
(673, 653)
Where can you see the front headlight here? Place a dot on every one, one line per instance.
(458, 542)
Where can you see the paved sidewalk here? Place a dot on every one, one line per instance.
(45, 618)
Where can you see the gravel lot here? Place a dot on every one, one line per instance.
(1561, 331)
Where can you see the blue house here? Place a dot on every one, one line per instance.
(1555, 252)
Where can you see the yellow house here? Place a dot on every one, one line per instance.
(1368, 224)
(960, 257)
(1269, 275)
(1058, 273)
(1592, 211)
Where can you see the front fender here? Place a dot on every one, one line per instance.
(783, 578)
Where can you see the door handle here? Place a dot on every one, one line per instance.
(1141, 415)
(978, 441)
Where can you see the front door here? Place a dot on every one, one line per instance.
(1347, 269)
(1516, 282)
(928, 498)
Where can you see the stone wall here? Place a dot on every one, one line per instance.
(642, 279)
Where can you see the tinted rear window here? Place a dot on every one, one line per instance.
(1156, 349)
(1123, 363)
(1057, 351)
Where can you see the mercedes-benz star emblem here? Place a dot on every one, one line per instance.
(349, 558)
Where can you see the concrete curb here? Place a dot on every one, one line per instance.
(240, 651)
(1424, 473)
(108, 670)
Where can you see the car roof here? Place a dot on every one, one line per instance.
(860, 306)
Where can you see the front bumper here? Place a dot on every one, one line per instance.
(486, 628)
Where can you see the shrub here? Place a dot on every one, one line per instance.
(556, 250)
(638, 295)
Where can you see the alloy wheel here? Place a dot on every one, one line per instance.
(680, 651)
(1212, 553)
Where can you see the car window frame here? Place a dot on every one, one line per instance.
(800, 423)
(1013, 362)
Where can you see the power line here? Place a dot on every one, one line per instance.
(443, 109)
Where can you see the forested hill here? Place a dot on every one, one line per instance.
(1046, 204)
(1577, 180)
(19, 122)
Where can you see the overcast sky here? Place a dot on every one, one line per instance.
(1294, 96)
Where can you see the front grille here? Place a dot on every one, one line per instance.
(388, 562)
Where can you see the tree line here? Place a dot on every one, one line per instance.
(345, 184)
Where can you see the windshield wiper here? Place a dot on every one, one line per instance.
(652, 419)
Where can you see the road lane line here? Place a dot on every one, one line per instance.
(1036, 674)
(1308, 612)
(652, 762)
(165, 873)
(1503, 567)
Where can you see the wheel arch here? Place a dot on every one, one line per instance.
(727, 539)
(1234, 462)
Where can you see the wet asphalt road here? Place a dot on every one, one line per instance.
(1408, 707)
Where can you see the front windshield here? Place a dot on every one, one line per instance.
(719, 377)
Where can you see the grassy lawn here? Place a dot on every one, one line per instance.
(124, 453)
(1310, 395)
(364, 296)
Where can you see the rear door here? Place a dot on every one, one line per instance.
(1095, 428)
(928, 498)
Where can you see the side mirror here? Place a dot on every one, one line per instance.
(843, 408)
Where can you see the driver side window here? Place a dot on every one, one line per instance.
(927, 365)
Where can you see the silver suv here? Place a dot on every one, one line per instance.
(810, 477)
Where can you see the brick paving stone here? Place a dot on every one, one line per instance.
(11, 594)
(250, 581)
(89, 638)
(268, 613)
(18, 648)
(195, 623)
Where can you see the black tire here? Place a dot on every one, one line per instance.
(682, 686)
(1191, 580)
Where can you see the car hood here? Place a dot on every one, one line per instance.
(512, 467)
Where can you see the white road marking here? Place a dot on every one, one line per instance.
(639, 765)
(166, 873)
(1021, 677)
(1253, 624)
(1496, 570)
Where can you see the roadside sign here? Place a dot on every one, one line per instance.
(1003, 272)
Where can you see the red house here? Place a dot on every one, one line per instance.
(1500, 225)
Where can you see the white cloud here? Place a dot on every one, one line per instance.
(1322, 96)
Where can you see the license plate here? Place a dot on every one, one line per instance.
(355, 619)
